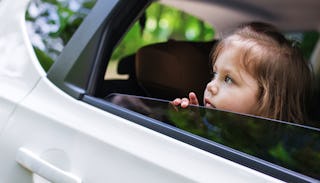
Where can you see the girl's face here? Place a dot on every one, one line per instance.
(232, 88)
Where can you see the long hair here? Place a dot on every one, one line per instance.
(283, 75)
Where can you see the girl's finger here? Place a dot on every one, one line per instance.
(184, 102)
(176, 101)
(193, 98)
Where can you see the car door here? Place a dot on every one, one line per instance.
(48, 135)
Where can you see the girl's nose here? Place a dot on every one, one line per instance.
(213, 87)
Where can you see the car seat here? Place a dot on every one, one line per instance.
(174, 68)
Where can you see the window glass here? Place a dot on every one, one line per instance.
(292, 146)
(51, 23)
(159, 23)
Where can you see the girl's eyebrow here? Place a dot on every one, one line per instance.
(227, 69)
(233, 71)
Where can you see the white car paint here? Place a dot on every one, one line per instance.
(82, 140)
(17, 73)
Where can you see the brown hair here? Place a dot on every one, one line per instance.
(283, 75)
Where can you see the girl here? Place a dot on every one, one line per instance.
(257, 71)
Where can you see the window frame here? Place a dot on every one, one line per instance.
(81, 65)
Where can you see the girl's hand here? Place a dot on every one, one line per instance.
(185, 102)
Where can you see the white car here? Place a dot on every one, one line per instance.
(79, 123)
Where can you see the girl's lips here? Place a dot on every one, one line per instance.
(207, 103)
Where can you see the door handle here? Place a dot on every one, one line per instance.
(35, 164)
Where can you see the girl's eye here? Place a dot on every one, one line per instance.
(228, 80)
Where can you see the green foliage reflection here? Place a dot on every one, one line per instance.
(287, 145)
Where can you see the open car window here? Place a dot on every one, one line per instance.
(162, 42)
(161, 57)
(288, 145)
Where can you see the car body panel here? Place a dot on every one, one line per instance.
(19, 67)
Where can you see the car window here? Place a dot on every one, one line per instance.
(161, 31)
(51, 24)
(288, 145)
(165, 42)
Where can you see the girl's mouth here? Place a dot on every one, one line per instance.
(208, 104)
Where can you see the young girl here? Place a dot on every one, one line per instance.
(257, 71)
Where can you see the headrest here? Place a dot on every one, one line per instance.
(173, 69)
(126, 65)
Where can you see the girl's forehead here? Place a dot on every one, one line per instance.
(247, 49)
(233, 48)
(229, 55)
(242, 55)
